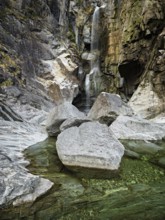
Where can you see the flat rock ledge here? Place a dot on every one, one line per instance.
(135, 128)
(92, 151)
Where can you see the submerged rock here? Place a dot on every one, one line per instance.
(131, 154)
(142, 147)
(107, 107)
(161, 162)
(92, 148)
(59, 114)
(125, 127)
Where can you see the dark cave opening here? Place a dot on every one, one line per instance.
(131, 72)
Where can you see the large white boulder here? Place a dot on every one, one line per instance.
(135, 128)
(91, 146)
(107, 107)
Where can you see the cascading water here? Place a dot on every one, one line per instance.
(91, 78)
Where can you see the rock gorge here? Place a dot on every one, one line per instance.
(46, 45)
(50, 58)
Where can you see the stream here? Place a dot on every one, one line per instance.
(137, 193)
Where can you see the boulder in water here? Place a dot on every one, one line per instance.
(59, 114)
(107, 107)
(135, 128)
(90, 149)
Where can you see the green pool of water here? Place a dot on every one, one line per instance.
(137, 193)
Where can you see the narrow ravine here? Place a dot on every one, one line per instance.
(137, 193)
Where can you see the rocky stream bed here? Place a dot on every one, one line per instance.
(137, 193)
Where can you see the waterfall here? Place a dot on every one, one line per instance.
(91, 78)
(95, 40)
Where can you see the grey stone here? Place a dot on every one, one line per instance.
(17, 185)
(91, 146)
(59, 114)
(13, 91)
(141, 147)
(107, 107)
(135, 128)
(71, 122)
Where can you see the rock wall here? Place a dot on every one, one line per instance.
(133, 52)
(33, 47)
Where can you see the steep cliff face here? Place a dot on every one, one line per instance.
(36, 55)
(133, 48)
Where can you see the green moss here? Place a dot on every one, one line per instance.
(131, 172)
(133, 21)
(9, 66)
(70, 36)
(6, 83)
(79, 2)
